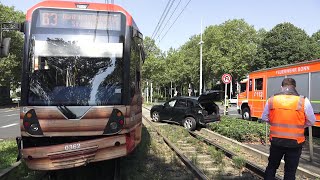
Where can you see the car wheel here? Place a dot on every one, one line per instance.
(246, 113)
(155, 116)
(190, 123)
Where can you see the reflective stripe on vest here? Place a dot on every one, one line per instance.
(287, 117)
(287, 134)
(287, 125)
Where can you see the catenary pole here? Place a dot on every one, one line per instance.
(201, 42)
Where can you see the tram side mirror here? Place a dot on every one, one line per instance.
(142, 53)
(4, 47)
(20, 27)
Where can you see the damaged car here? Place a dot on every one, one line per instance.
(191, 112)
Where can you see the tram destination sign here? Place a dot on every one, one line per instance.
(69, 19)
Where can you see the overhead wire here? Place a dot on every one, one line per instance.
(168, 19)
(164, 13)
(174, 21)
(164, 18)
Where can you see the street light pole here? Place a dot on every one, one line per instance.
(201, 42)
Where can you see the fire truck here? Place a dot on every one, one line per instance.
(262, 84)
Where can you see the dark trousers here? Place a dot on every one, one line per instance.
(291, 158)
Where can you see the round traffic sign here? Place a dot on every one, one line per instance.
(226, 78)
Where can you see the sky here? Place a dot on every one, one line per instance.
(258, 13)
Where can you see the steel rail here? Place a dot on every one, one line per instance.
(194, 169)
(250, 166)
(300, 171)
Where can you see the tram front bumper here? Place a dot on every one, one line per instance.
(75, 154)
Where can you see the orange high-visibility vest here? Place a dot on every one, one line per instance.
(287, 117)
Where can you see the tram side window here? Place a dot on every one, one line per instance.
(258, 84)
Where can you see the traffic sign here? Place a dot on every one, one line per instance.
(226, 78)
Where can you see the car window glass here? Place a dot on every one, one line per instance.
(189, 104)
(172, 103)
(181, 103)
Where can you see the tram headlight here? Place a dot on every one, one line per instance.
(113, 125)
(34, 127)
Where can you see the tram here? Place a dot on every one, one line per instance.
(81, 84)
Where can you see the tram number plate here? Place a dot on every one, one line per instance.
(72, 147)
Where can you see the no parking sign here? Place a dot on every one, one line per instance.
(226, 78)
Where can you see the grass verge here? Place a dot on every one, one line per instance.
(8, 152)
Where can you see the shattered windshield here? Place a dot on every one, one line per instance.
(80, 69)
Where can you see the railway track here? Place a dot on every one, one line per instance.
(249, 165)
(204, 168)
(255, 160)
(194, 169)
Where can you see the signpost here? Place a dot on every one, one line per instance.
(226, 79)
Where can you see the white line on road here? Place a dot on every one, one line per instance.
(9, 125)
(11, 115)
(8, 111)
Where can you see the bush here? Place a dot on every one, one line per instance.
(240, 130)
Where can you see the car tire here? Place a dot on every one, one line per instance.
(246, 113)
(190, 123)
(155, 116)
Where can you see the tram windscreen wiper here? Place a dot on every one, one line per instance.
(69, 114)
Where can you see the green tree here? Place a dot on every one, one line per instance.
(189, 56)
(229, 48)
(316, 43)
(316, 36)
(154, 65)
(285, 44)
(10, 67)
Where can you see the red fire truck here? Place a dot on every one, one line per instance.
(261, 84)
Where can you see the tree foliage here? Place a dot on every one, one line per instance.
(233, 47)
(285, 44)
(229, 48)
(153, 67)
(10, 67)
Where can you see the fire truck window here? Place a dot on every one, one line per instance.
(250, 85)
(258, 84)
(243, 87)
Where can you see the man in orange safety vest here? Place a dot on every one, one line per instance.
(288, 114)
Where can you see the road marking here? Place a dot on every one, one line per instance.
(8, 111)
(11, 115)
(9, 125)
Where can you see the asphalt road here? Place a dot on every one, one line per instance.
(9, 123)
(232, 110)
